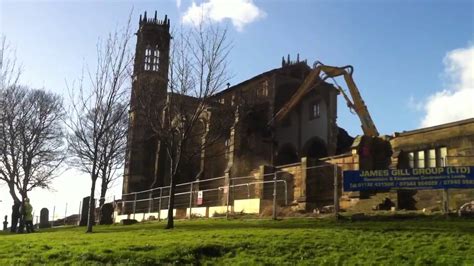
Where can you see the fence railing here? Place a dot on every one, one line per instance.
(218, 191)
(222, 192)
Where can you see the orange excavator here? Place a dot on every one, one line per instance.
(315, 78)
(375, 151)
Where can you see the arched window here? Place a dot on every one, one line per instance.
(156, 58)
(315, 148)
(315, 110)
(152, 58)
(148, 63)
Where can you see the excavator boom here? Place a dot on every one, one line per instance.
(307, 85)
(314, 79)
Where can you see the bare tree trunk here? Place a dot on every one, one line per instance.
(103, 192)
(15, 210)
(157, 162)
(170, 224)
(21, 226)
(90, 216)
(11, 188)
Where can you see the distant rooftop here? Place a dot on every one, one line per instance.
(437, 127)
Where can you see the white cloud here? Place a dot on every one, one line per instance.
(240, 12)
(456, 102)
(178, 3)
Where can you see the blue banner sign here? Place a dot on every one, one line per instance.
(419, 178)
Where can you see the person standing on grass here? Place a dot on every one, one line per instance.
(28, 216)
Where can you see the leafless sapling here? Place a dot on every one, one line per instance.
(100, 108)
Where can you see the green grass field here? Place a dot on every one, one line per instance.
(217, 241)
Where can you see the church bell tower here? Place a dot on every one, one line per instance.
(149, 84)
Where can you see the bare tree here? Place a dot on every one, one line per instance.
(31, 138)
(98, 111)
(9, 141)
(9, 75)
(198, 69)
(113, 147)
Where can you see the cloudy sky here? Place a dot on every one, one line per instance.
(414, 60)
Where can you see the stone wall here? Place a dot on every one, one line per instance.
(457, 138)
(345, 162)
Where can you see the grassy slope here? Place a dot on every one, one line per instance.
(304, 241)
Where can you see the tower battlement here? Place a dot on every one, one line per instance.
(144, 20)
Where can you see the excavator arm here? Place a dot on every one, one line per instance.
(314, 79)
(307, 85)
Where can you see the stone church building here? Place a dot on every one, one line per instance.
(304, 147)
(309, 130)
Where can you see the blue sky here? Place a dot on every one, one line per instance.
(396, 47)
(413, 59)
